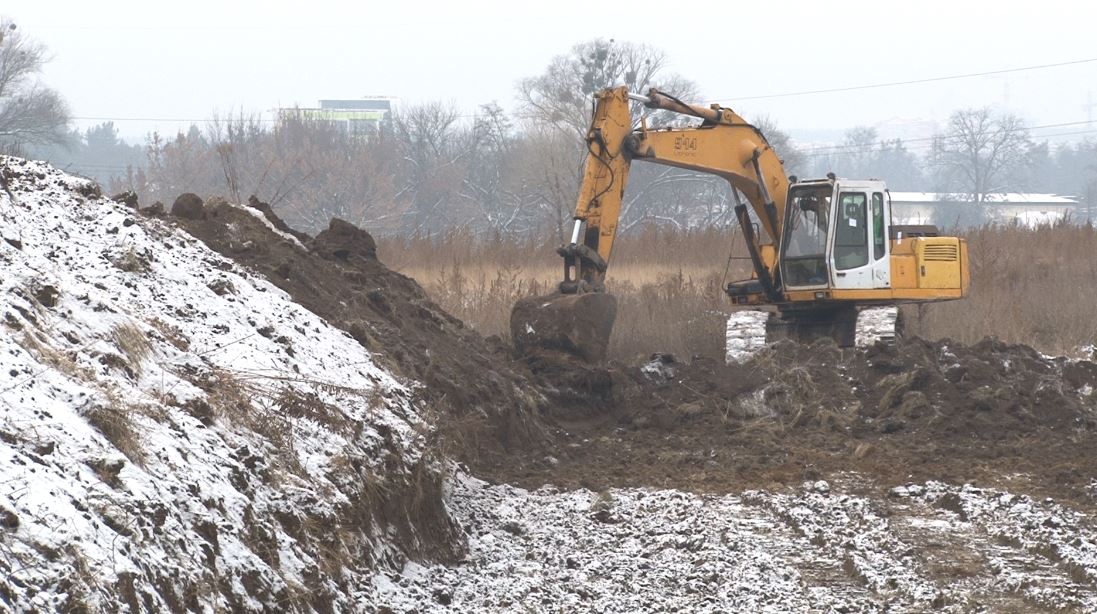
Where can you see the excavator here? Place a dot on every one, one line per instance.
(821, 250)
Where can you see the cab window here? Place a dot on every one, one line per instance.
(878, 234)
(851, 232)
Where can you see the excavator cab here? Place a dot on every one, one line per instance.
(836, 236)
(840, 253)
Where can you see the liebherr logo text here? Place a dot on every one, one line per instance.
(685, 144)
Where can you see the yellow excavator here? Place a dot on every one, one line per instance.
(822, 250)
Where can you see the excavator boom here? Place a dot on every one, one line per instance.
(725, 144)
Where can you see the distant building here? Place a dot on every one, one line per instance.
(950, 210)
(357, 116)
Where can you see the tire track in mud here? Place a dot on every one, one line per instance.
(944, 548)
(851, 529)
(1040, 552)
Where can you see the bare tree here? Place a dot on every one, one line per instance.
(562, 96)
(495, 183)
(560, 101)
(29, 111)
(863, 155)
(980, 153)
(434, 148)
(791, 157)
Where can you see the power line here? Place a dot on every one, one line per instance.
(910, 81)
(764, 96)
(838, 148)
(206, 120)
(162, 119)
(921, 148)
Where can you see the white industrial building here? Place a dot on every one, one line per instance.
(950, 210)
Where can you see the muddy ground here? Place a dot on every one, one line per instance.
(990, 414)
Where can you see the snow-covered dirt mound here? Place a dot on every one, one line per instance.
(177, 434)
(817, 548)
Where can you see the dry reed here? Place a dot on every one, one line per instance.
(1034, 286)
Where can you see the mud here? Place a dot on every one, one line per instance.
(991, 413)
(576, 324)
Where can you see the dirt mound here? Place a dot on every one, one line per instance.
(176, 434)
(795, 412)
(488, 405)
(989, 391)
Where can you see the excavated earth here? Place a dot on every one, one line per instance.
(484, 400)
(898, 429)
(920, 410)
(991, 413)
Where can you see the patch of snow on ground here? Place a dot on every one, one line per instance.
(174, 428)
(817, 549)
(746, 334)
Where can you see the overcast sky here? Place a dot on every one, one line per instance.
(185, 60)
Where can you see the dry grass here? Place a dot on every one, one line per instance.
(1036, 287)
(668, 284)
(1028, 286)
(117, 422)
(132, 343)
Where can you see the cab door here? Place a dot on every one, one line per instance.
(851, 245)
(880, 214)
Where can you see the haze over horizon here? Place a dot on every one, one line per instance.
(148, 68)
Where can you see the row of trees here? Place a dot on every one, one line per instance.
(431, 168)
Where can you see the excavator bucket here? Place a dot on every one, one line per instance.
(575, 324)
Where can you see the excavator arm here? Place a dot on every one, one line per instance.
(724, 145)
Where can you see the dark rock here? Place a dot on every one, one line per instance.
(189, 206)
(891, 426)
(89, 189)
(344, 241)
(443, 596)
(156, 209)
(8, 519)
(514, 527)
(127, 198)
(107, 469)
(47, 295)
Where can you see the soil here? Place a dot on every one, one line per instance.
(991, 413)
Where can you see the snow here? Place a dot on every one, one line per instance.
(107, 318)
(746, 334)
(876, 324)
(815, 549)
(270, 226)
(746, 331)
